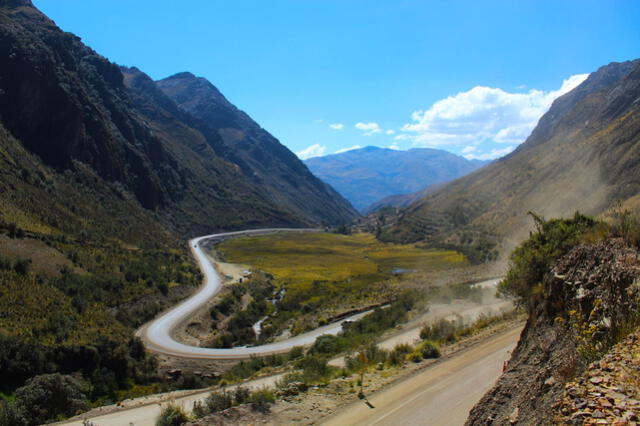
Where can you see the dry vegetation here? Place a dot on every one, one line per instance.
(325, 275)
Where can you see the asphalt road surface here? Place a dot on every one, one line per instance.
(441, 395)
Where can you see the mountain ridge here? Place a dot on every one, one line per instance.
(591, 132)
(367, 175)
(261, 157)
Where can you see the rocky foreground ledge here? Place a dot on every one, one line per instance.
(609, 393)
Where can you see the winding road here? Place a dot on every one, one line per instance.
(157, 337)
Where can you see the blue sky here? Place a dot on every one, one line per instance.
(470, 77)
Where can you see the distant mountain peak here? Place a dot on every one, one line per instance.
(369, 148)
(183, 75)
(367, 175)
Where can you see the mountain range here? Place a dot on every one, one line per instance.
(368, 175)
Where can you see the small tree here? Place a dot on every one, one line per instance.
(48, 396)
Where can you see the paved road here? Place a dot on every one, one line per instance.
(145, 410)
(441, 395)
(156, 335)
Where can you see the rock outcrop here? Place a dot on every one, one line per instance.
(585, 302)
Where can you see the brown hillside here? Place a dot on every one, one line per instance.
(583, 155)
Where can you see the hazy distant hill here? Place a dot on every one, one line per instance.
(583, 155)
(367, 175)
(402, 200)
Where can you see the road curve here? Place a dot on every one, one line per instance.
(156, 335)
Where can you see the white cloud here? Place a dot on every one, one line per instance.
(337, 126)
(469, 149)
(315, 150)
(394, 146)
(390, 132)
(482, 114)
(369, 128)
(351, 148)
(493, 154)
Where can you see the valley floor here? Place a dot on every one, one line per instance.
(319, 402)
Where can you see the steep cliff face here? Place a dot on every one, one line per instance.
(212, 189)
(66, 103)
(583, 155)
(260, 157)
(586, 302)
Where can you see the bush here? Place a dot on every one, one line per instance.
(441, 330)
(530, 261)
(399, 353)
(260, 400)
(429, 349)
(296, 352)
(241, 395)
(47, 397)
(313, 368)
(10, 414)
(218, 402)
(415, 357)
(172, 415)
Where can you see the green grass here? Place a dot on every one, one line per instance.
(326, 274)
(307, 257)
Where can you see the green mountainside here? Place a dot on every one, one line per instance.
(102, 179)
(583, 155)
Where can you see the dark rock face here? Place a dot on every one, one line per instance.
(261, 158)
(66, 103)
(73, 108)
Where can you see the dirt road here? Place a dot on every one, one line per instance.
(441, 395)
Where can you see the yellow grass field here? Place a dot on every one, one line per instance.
(327, 273)
(309, 257)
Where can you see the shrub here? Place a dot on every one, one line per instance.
(261, 399)
(10, 414)
(441, 330)
(49, 396)
(415, 357)
(530, 261)
(296, 352)
(399, 353)
(429, 349)
(172, 415)
(218, 402)
(241, 395)
(313, 368)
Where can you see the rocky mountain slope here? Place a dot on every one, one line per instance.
(367, 175)
(585, 304)
(255, 153)
(72, 108)
(583, 155)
